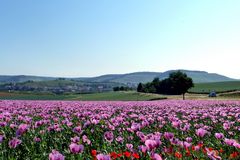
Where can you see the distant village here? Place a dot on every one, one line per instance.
(58, 88)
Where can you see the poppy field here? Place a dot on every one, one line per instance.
(146, 130)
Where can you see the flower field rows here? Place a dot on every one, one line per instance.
(156, 130)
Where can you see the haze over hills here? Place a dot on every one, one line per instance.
(23, 78)
(136, 77)
(200, 76)
(129, 78)
(133, 78)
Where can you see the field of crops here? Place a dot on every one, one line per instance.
(155, 130)
(104, 96)
(215, 86)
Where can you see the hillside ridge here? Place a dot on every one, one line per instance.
(128, 78)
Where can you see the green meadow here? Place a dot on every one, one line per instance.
(215, 86)
(108, 96)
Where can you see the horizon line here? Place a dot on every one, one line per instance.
(55, 76)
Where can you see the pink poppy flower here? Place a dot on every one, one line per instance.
(229, 142)
(103, 157)
(55, 155)
(150, 144)
(14, 143)
(201, 132)
(75, 148)
(78, 129)
(219, 135)
(109, 136)
(156, 156)
(168, 135)
(22, 128)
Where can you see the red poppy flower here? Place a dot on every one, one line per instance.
(114, 155)
(94, 153)
(221, 150)
(193, 148)
(127, 154)
(200, 145)
(178, 155)
(135, 155)
(204, 150)
(234, 155)
(119, 154)
(188, 153)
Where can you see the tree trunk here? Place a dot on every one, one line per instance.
(183, 96)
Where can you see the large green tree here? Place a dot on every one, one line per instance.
(177, 83)
(180, 83)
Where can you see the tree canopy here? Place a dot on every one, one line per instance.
(176, 84)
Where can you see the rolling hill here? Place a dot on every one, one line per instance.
(135, 78)
(129, 78)
(200, 76)
(23, 78)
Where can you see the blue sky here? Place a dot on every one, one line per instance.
(94, 37)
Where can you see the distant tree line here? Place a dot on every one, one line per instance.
(177, 83)
(122, 88)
